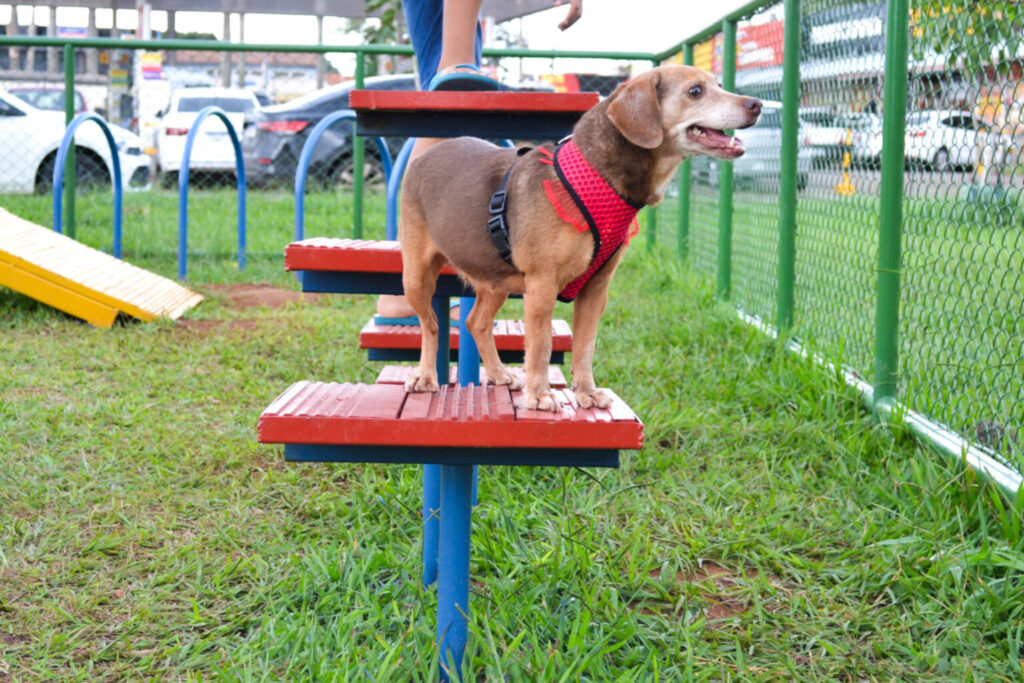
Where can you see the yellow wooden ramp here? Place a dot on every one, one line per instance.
(83, 281)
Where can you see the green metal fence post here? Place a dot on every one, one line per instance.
(725, 169)
(890, 219)
(787, 188)
(683, 229)
(651, 219)
(358, 159)
(69, 165)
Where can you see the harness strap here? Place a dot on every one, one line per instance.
(497, 224)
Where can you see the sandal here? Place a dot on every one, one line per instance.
(474, 79)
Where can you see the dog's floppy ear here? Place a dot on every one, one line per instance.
(635, 111)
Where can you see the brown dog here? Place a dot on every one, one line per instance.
(634, 139)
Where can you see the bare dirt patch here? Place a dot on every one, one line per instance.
(723, 595)
(244, 295)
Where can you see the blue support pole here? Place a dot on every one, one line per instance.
(394, 184)
(453, 588)
(432, 473)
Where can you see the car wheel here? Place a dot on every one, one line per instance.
(90, 171)
(940, 162)
(344, 176)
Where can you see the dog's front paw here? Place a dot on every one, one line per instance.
(594, 398)
(543, 400)
(506, 377)
(422, 381)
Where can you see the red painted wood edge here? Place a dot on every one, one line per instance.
(509, 335)
(346, 255)
(397, 374)
(512, 102)
(455, 417)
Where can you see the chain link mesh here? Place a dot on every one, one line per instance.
(961, 333)
(962, 299)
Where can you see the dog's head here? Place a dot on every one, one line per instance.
(683, 108)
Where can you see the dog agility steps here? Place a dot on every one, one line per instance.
(82, 281)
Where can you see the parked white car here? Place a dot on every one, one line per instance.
(944, 139)
(820, 131)
(212, 149)
(30, 137)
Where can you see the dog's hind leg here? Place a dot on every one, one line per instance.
(480, 323)
(421, 264)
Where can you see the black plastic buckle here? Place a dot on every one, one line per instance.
(498, 202)
(499, 236)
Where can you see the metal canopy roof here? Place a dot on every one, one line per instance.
(501, 10)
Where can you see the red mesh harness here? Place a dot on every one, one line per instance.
(582, 193)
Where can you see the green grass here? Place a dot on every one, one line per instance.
(769, 530)
(961, 333)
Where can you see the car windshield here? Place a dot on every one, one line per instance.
(231, 105)
(919, 119)
(856, 122)
(818, 118)
(48, 99)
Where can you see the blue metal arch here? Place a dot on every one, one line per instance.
(306, 156)
(58, 175)
(183, 188)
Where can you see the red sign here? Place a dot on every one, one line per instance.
(759, 46)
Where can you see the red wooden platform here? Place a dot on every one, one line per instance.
(471, 101)
(336, 254)
(455, 417)
(397, 374)
(490, 115)
(509, 335)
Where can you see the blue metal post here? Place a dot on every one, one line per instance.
(453, 588)
(394, 184)
(432, 473)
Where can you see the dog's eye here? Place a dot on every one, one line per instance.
(696, 91)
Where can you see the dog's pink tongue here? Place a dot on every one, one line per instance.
(717, 138)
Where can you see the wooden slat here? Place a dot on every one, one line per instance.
(88, 273)
(455, 417)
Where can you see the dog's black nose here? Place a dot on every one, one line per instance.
(753, 104)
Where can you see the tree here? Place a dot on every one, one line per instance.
(974, 34)
(387, 29)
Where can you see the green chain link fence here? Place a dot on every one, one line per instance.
(906, 176)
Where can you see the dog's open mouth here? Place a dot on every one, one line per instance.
(716, 141)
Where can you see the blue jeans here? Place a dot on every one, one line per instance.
(424, 19)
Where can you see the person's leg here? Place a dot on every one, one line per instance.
(460, 37)
(443, 35)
